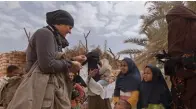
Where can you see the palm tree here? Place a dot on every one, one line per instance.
(157, 11)
(155, 28)
(138, 41)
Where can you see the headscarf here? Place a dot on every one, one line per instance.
(155, 91)
(93, 61)
(105, 67)
(78, 79)
(105, 62)
(129, 81)
(181, 30)
(105, 70)
(59, 17)
(181, 11)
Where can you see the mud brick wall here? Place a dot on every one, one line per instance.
(17, 58)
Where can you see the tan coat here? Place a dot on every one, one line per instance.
(7, 92)
(42, 91)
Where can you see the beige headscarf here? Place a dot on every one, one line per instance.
(106, 69)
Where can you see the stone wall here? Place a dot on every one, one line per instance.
(17, 58)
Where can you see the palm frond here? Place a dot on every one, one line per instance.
(130, 51)
(139, 41)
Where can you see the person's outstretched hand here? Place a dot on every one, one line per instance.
(93, 72)
(76, 66)
(80, 58)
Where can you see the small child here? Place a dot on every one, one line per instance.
(9, 84)
(122, 104)
(77, 93)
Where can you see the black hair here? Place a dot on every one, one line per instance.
(11, 68)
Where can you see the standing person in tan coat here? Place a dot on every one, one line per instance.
(46, 85)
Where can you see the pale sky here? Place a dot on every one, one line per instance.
(111, 21)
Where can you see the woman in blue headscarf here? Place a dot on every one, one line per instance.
(154, 92)
(127, 83)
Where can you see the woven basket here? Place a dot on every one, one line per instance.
(17, 58)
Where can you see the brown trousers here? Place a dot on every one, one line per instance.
(96, 102)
